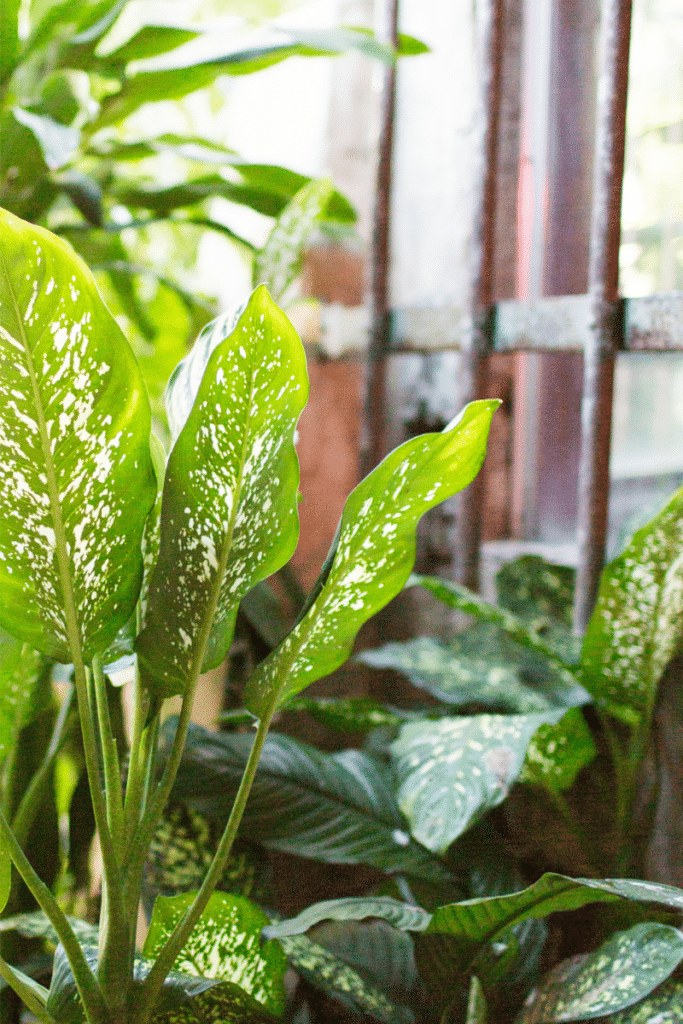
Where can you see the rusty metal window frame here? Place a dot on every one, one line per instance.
(600, 324)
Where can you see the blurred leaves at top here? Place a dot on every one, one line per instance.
(85, 89)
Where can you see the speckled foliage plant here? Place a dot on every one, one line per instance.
(104, 543)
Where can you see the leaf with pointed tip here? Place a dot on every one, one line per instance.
(454, 769)
(149, 41)
(375, 551)
(338, 808)
(475, 923)
(74, 448)
(401, 915)
(224, 945)
(624, 970)
(279, 261)
(637, 623)
(225, 1003)
(20, 670)
(229, 507)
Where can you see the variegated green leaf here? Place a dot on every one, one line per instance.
(405, 916)
(328, 972)
(279, 262)
(229, 507)
(373, 554)
(664, 1006)
(452, 770)
(224, 1003)
(20, 669)
(225, 944)
(557, 753)
(624, 970)
(74, 449)
(636, 626)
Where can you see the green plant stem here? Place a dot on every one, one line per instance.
(155, 979)
(138, 754)
(30, 802)
(30, 1000)
(110, 760)
(86, 982)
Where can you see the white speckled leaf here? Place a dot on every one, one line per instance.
(278, 263)
(624, 970)
(374, 552)
(77, 479)
(225, 944)
(229, 508)
(557, 753)
(638, 621)
(20, 668)
(452, 770)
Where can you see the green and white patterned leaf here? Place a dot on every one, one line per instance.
(36, 925)
(405, 916)
(225, 945)
(636, 626)
(373, 554)
(328, 972)
(452, 770)
(279, 261)
(352, 714)
(624, 970)
(456, 678)
(221, 1004)
(557, 753)
(338, 808)
(20, 670)
(476, 923)
(74, 450)
(664, 1006)
(229, 507)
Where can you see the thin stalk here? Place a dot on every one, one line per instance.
(138, 756)
(26, 994)
(110, 759)
(30, 802)
(154, 981)
(86, 982)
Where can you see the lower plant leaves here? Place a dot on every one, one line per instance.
(338, 808)
(557, 753)
(37, 925)
(20, 670)
(620, 973)
(664, 1006)
(404, 916)
(373, 554)
(454, 769)
(477, 923)
(458, 679)
(636, 625)
(336, 978)
(64, 1002)
(229, 509)
(225, 945)
(224, 1003)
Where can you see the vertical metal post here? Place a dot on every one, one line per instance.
(374, 444)
(476, 338)
(603, 283)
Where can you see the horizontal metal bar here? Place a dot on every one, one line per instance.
(563, 324)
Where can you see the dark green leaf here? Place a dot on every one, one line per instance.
(374, 553)
(64, 1002)
(85, 194)
(223, 1004)
(453, 770)
(620, 973)
(338, 808)
(404, 916)
(224, 945)
(229, 510)
(557, 753)
(78, 481)
(328, 972)
(636, 626)
(58, 142)
(37, 925)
